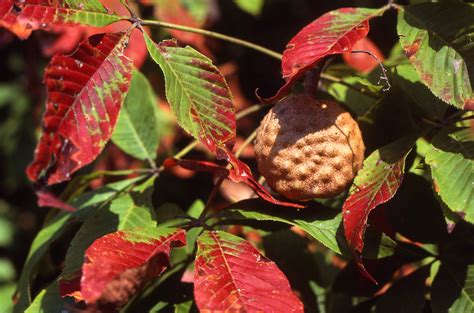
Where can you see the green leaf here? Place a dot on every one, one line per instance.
(453, 289)
(6, 294)
(55, 228)
(131, 210)
(138, 127)
(253, 7)
(321, 223)
(197, 92)
(7, 271)
(198, 9)
(437, 38)
(410, 83)
(348, 91)
(48, 301)
(451, 160)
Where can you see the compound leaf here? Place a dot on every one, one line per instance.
(231, 275)
(85, 92)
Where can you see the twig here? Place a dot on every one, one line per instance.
(383, 75)
(209, 33)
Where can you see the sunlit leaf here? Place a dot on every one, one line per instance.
(376, 183)
(451, 158)
(42, 14)
(453, 289)
(437, 39)
(335, 32)
(85, 93)
(231, 275)
(197, 93)
(9, 21)
(118, 264)
(138, 130)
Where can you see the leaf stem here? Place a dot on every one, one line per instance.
(246, 143)
(210, 200)
(209, 33)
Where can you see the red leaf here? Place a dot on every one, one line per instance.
(239, 173)
(335, 32)
(376, 183)
(364, 62)
(172, 11)
(8, 20)
(232, 276)
(25, 16)
(117, 265)
(85, 93)
(47, 199)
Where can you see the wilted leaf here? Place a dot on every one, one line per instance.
(453, 289)
(335, 32)
(376, 183)
(437, 39)
(231, 275)
(451, 158)
(85, 93)
(117, 265)
(138, 130)
(40, 14)
(197, 93)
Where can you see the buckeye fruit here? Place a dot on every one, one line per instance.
(307, 148)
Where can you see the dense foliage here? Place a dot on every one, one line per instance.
(156, 203)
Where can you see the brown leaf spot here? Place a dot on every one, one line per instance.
(410, 51)
(119, 291)
(469, 104)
